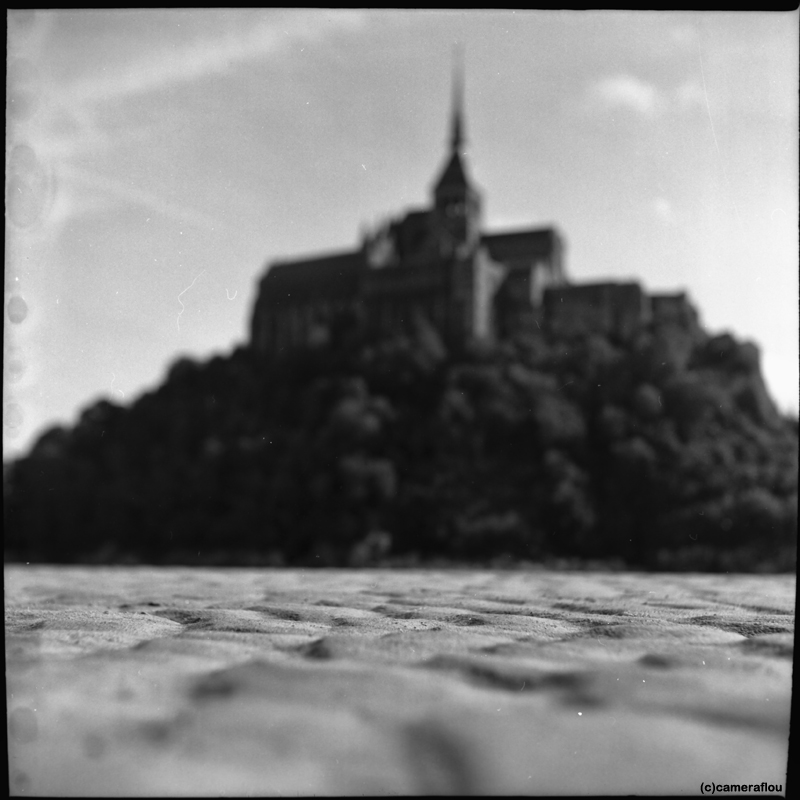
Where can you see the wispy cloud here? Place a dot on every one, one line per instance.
(664, 211)
(626, 92)
(199, 58)
(644, 99)
(73, 129)
(69, 122)
(85, 192)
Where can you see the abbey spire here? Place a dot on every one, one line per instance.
(434, 263)
(457, 140)
(456, 203)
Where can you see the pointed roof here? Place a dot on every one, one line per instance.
(454, 174)
(457, 138)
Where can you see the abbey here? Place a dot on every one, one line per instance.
(435, 263)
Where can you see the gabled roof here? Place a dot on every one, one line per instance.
(331, 277)
(515, 245)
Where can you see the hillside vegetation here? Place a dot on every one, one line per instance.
(663, 452)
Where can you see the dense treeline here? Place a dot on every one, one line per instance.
(662, 452)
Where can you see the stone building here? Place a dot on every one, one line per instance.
(438, 264)
(616, 310)
(435, 263)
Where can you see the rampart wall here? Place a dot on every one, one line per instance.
(614, 309)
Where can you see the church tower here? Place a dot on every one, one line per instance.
(457, 204)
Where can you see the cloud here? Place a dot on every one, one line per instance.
(72, 131)
(157, 70)
(85, 192)
(626, 92)
(70, 122)
(664, 211)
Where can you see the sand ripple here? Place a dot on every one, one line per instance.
(138, 681)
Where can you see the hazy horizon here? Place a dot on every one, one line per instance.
(166, 156)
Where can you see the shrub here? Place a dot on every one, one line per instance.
(647, 402)
(532, 448)
(559, 421)
(485, 535)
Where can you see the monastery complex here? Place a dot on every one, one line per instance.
(438, 264)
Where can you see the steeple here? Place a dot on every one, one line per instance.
(456, 203)
(457, 139)
(454, 174)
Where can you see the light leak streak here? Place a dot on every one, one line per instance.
(714, 133)
(178, 320)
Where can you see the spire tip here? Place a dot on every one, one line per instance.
(458, 97)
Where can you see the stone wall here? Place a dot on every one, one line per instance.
(614, 309)
(674, 309)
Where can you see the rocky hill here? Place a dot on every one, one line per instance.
(662, 451)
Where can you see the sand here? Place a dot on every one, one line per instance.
(193, 681)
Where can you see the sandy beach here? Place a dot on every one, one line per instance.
(200, 681)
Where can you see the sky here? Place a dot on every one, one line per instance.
(159, 160)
